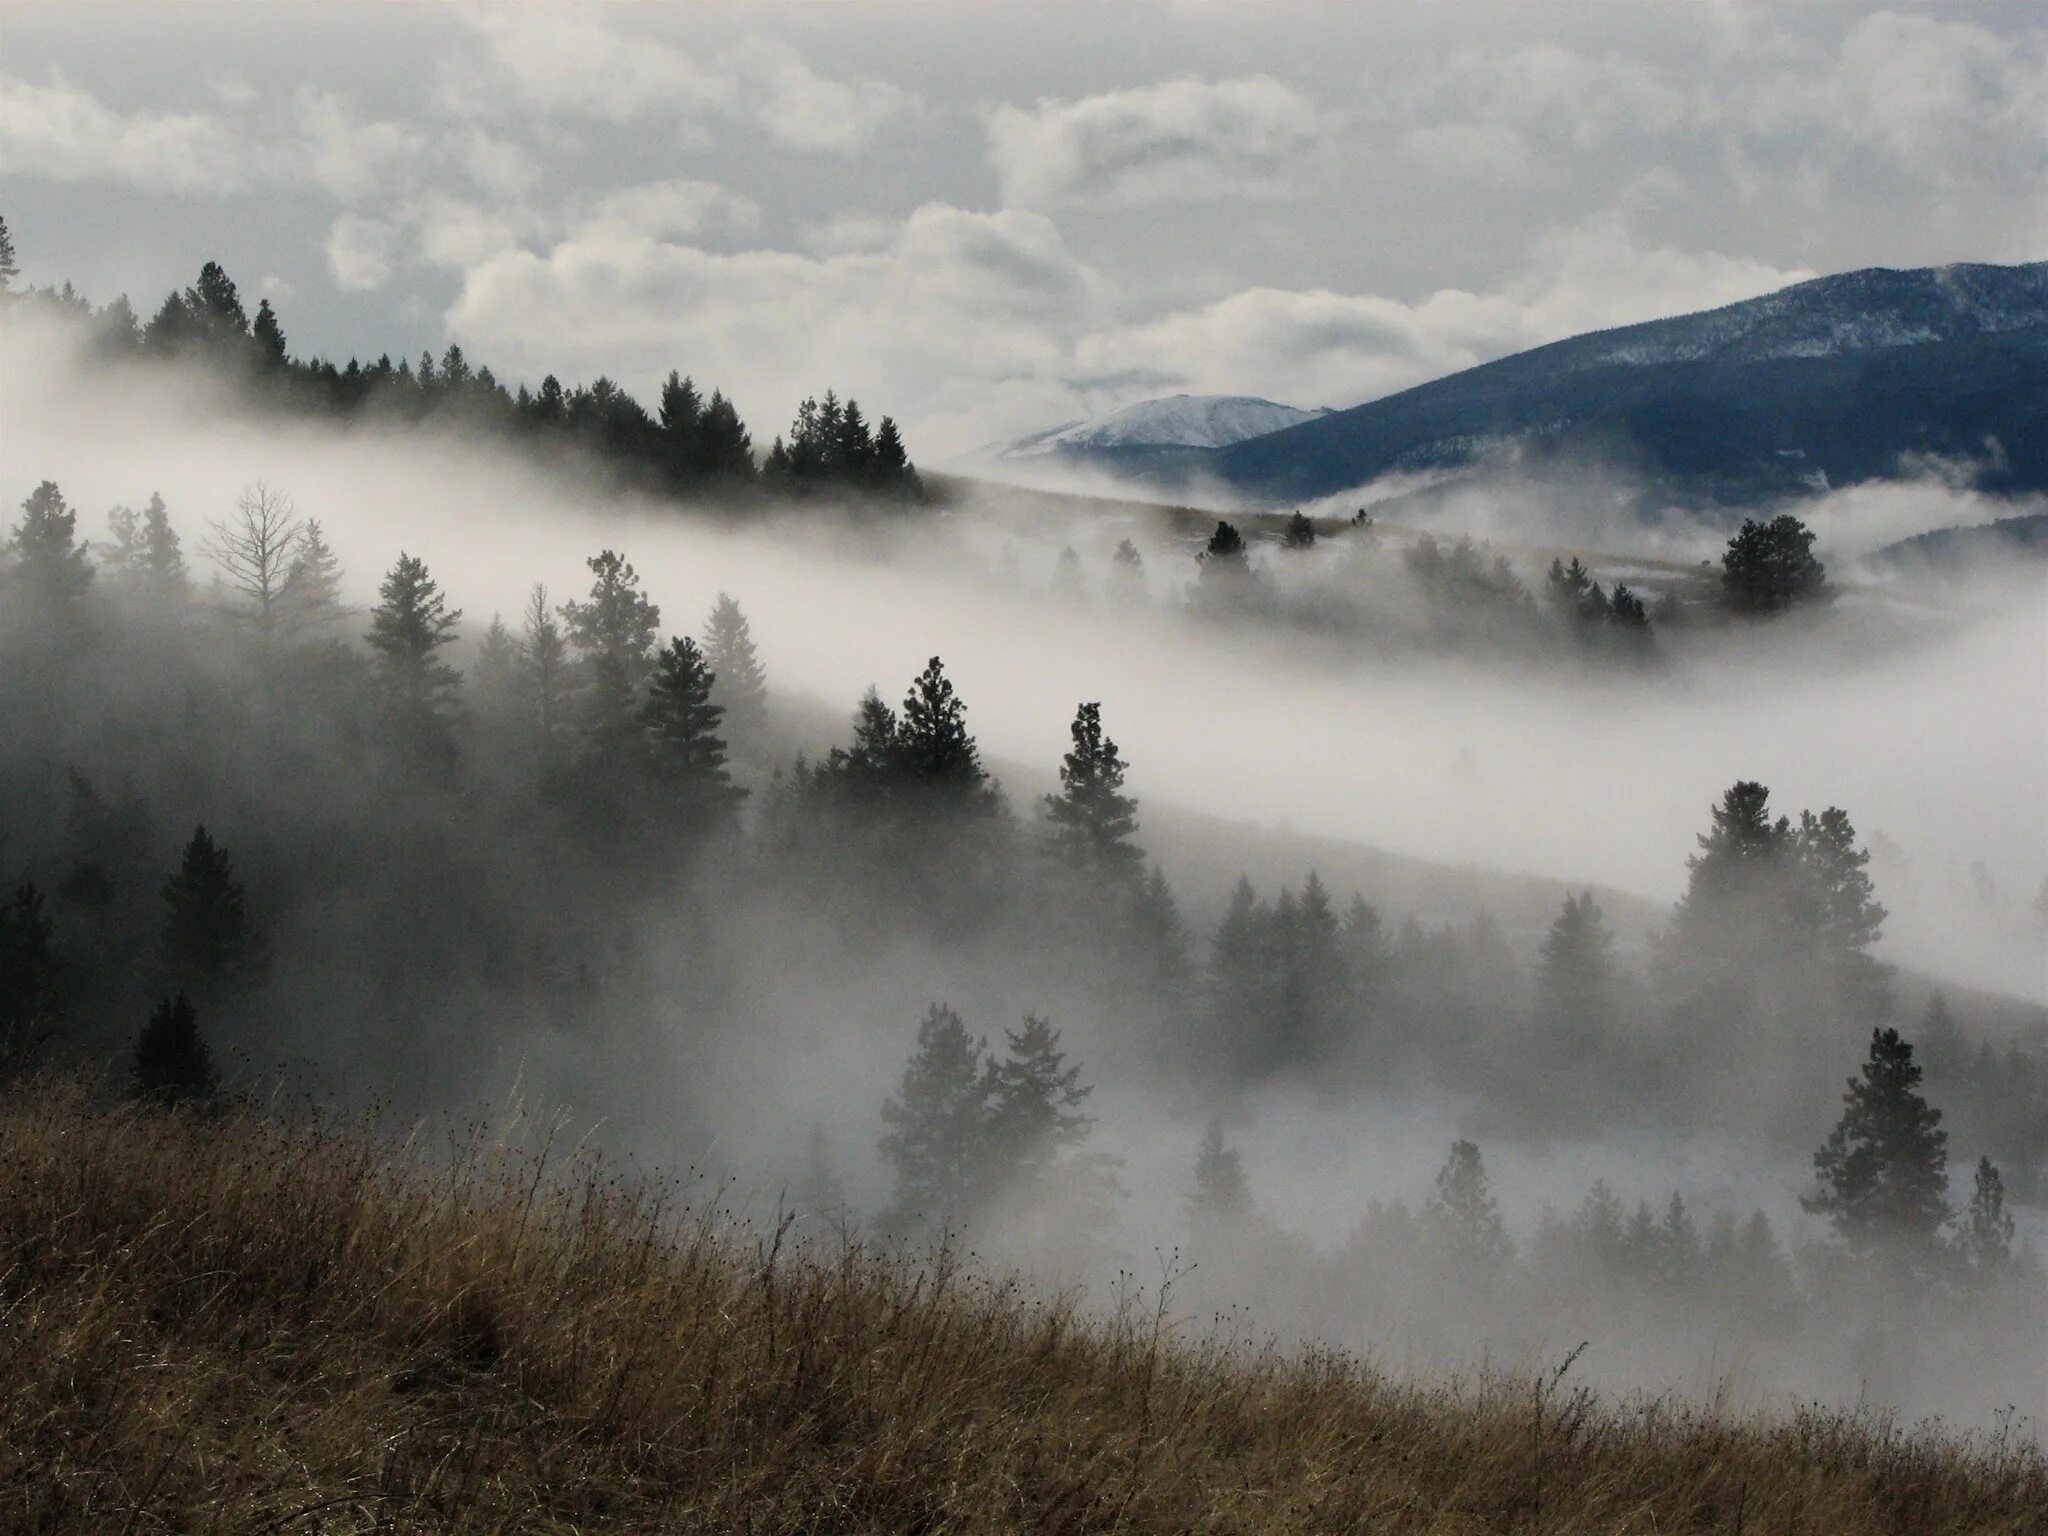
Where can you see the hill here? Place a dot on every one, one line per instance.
(1823, 383)
(2023, 538)
(1152, 438)
(243, 1324)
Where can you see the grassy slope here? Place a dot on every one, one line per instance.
(243, 1326)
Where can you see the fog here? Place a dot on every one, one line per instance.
(1918, 710)
(1924, 721)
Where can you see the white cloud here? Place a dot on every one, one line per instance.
(63, 133)
(359, 252)
(574, 63)
(562, 59)
(352, 158)
(1323, 348)
(959, 314)
(1185, 138)
(805, 109)
(668, 210)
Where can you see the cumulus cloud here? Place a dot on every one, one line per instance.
(955, 314)
(807, 110)
(360, 252)
(1320, 347)
(668, 210)
(61, 132)
(1185, 138)
(350, 157)
(574, 62)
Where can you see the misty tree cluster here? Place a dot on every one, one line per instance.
(1342, 585)
(690, 444)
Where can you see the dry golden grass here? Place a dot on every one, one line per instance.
(245, 1325)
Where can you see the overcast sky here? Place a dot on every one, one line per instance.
(987, 218)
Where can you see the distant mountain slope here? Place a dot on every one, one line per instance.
(1148, 438)
(2002, 542)
(1822, 383)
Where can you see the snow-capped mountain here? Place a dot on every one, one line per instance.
(1176, 421)
(1828, 382)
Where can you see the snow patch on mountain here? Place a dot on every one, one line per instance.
(1176, 421)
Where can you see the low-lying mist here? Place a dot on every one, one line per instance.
(753, 1028)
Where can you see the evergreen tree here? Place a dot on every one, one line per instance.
(1225, 555)
(1771, 566)
(216, 308)
(1838, 910)
(1068, 585)
(1222, 1201)
(10, 269)
(725, 450)
(932, 747)
(1569, 586)
(269, 336)
(545, 654)
(497, 669)
(1464, 1214)
(937, 1123)
(1627, 612)
(1576, 982)
(1299, 534)
(160, 564)
(407, 630)
(50, 564)
(1093, 819)
(1126, 575)
(1883, 1170)
(207, 941)
(1035, 1098)
(619, 622)
(172, 1064)
(311, 597)
(1985, 1239)
(685, 751)
(742, 687)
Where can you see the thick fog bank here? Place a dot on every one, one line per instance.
(1926, 724)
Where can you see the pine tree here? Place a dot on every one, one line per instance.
(545, 654)
(172, 1064)
(1576, 982)
(1463, 1212)
(1035, 1098)
(160, 565)
(407, 630)
(933, 749)
(1569, 585)
(10, 269)
(619, 622)
(1985, 1239)
(1068, 585)
(51, 567)
(1093, 819)
(1883, 1170)
(937, 1123)
(207, 941)
(1771, 566)
(1627, 612)
(725, 449)
(120, 554)
(268, 336)
(497, 669)
(1225, 555)
(312, 584)
(216, 307)
(1127, 575)
(1222, 1201)
(742, 687)
(684, 749)
(1300, 533)
(893, 470)
(681, 414)
(1838, 908)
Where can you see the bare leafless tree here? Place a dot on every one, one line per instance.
(254, 549)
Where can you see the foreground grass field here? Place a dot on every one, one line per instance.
(253, 1325)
